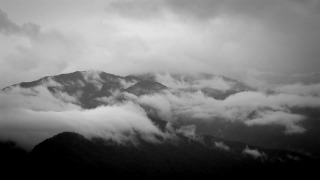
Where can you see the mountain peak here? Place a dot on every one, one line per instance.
(146, 87)
(88, 86)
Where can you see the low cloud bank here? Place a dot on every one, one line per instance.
(301, 89)
(29, 119)
(251, 108)
(29, 116)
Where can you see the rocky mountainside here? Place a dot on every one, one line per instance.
(88, 86)
(183, 154)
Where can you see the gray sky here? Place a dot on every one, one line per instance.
(274, 41)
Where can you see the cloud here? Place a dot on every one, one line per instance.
(35, 51)
(215, 83)
(139, 9)
(254, 153)
(94, 78)
(223, 37)
(289, 121)
(160, 104)
(195, 81)
(188, 131)
(276, 39)
(29, 119)
(32, 115)
(222, 146)
(202, 9)
(300, 89)
(250, 108)
(249, 100)
(125, 84)
(38, 99)
(48, 49)
(254, 33)
(6, 26)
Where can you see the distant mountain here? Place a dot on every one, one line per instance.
(72, 155)
(91, 88)
(145, 88)
(88, 86)
(12, 157)
(181, 157)
(216, 86)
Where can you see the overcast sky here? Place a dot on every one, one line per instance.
(274, 41)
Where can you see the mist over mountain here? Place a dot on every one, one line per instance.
(160, 88)
(157, 125)
(98, 104)
(90, 85)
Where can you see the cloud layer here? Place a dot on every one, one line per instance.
(30, 118)
(277, 40)
(257, 41)
(253, 108)
(31, 115)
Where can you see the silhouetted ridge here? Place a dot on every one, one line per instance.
(177, 158)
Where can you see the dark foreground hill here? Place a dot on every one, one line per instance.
(74, 155)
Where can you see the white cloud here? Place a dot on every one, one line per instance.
(289, 121)
(38, 98)
(31, 115)
(112, 99)
(249, 108)
(188, 131)
(300, 89)
(158, 102)
(222, 146)
(236, 37)
(29, 119)
(94, 78)
(254, 153)
(171, 82)
(125, 84)
(194, 82)
(215, 83)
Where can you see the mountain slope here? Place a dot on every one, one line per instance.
(85, 86)
(90, 89)
(179, 158)
(145, 88)
(215, 86)
(88, 86)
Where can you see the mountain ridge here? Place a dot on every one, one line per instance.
(88, 86)
(70, 153)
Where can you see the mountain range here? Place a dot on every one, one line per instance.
(71, 154)
(90, 85)
(180, 156)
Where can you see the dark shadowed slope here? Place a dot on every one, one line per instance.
(180, 158)
(12, 157)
